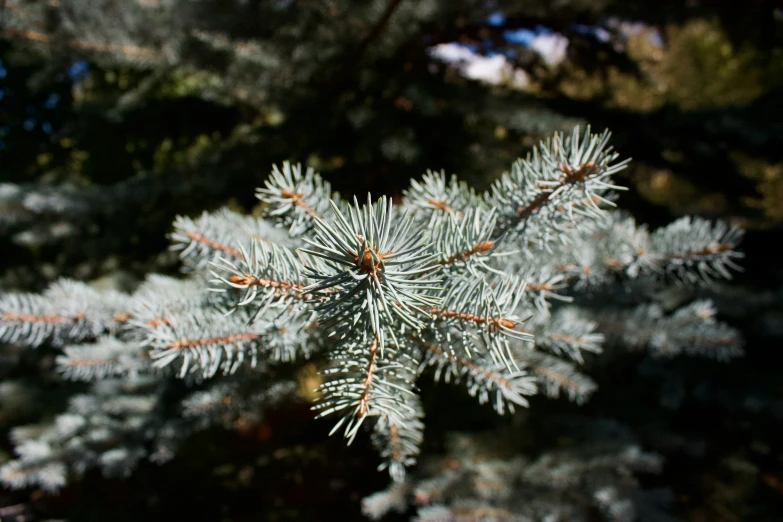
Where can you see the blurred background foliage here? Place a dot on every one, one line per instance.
(188, 104)
(144, 109)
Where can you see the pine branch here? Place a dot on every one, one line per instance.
(465, 241)
(398, 439)
(496, 322)
(559, 181)
(479, 310)
(211, 244)
(556, 376)
(296, 199)
(694, 243)
(371, 270)
(478, 247)
(214, 235)
(364, 398)
(568, 332)
(206, 341)
(270, 276)
(67, 312)
(469, 285)
(107, 357)
(433, 199)
(694, 250)
(106, 427)
(235, 403)
(481, 378)
(692, 329)
(365, 383)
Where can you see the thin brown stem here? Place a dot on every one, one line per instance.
(706, 251)
(441, 205)
(205, 341)
(564, 381)
(466, 363)
(394, 441)
(283, 289)
(298, 200)
(478, 319)
(538, 287)
(575, 175)
(251, 280)
(88, 361)
(566, 338)
(122, 317)
(34, 318)
(204, 240)
(478, 248)
(364, 400)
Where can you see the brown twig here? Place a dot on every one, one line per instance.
(204, 240)
(33, 318)
(478, 248)
(464, 362)
(575, 175)
(298, 200)
(367, 383)
(479, 319)
(394, 441)
(204, 341)
(559, 377)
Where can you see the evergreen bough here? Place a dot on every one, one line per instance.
(504, 292)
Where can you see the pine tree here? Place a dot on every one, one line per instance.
(485, 477)
(506, 292)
